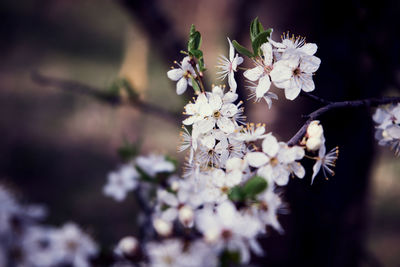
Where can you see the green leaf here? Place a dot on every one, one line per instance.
(128, 151)
(254, 186)
(194, 42)
(229, 258)
(197, 53)
(259, 40)
(241, 49)
(195, 85)
(255, 29)
(236, 194)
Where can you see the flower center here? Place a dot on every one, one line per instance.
(274, 161)
(217, 114)
(297, 72)
(226, 234)
(186, 74)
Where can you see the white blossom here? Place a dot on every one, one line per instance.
(121, 182)
(326, 161)
(182, 75)
(229, 66)
(153, 164)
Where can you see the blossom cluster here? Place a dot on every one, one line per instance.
(388, 127)
(25, 242)
(228, 195)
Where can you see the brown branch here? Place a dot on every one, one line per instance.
(105, 97)
(370, 102)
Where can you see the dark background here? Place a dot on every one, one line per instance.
(57, 147)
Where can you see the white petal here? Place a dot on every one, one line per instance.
(316, 168)
(270, 145)
(181, 86)
(175, 74)
(231, 81)
(263, 86)
(215, 102)
(281, 175)
(257, 159)
(310, 64)
(229, 110)
(266, 49)
(231, 50)
(205, 125)
(226, 125)
(292, 92)
(298, 170)
(230, 97)
(308, 48)
(254, 74)
(169, 214)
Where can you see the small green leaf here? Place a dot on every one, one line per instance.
(236, 194)
(197, 53)
(259, 40)
(254, 186)
(255, 29)
(128, 151)
(194, 42)
(195, 85)
(241, 49)
(229, 258)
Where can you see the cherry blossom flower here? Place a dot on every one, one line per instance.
(229, 66)
(121, 182)
(277, 161)
(153, 164)
(182, 75)
(326, 161)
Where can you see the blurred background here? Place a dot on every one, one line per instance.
(57, 147)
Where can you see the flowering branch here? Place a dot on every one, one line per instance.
(337, 105)
(104, 96)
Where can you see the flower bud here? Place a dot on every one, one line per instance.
(314, 130)
(186, 216)
(128, 246)
(162, 227)
(314, 143)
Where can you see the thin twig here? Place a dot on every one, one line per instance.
(198, 76)
(315, 98)
(373, 102)
(105, 97)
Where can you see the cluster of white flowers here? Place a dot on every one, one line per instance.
(388, 127)
(288, 65)
(39, 245)
(226, 197)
